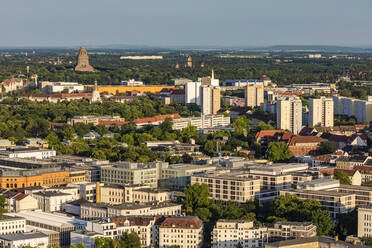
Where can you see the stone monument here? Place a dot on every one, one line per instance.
(83, 61)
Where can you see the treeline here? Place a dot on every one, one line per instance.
(112, 70)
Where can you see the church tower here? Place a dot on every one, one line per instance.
(96, 96)
(83, 61)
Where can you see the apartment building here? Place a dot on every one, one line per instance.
(11, 225)
(183, 231)
(205, 121)
(231, 233)
(291, 230)
(289, 114)
(144, 226)
(313, 242)
(254, 94)
(321, 112)
(335, 202)
(91, 211)
(365, 221)
(363, 113)
(229, 187)
(210, 99)
(349, 162)
(304, 145)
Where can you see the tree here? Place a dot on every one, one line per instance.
(2, 205)
(278, 151)
(209, 147)
(197, 201)
(343, 177)
(80, 245)
(327, 147)
(129, 240)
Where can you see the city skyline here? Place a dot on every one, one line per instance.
(167, 23)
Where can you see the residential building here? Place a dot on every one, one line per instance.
(229, 187)
(192, 93)
(365, 221)
(289, 114)
(313, 242)
(231, 233)
(335, 202)
(363, 113)
(20, 240)
(205, 121)
(144, 226)
(349, 162)
(132, 82)
(304, 145)
(254, 94)
(291, 230)
(321, 112)
(19, 202)
(210, 99)
(9, 85)
(12, 225)
(185, 232)
(93, 211)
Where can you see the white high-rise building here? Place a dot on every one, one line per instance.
(321, 112)
(192, 93)
(363, 111)
(210, 99)
(289, 114)
(214, 81)
(254, 94)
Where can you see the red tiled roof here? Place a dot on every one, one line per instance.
(266, 133)
(182, 222)
(19, 197)
(304, 139)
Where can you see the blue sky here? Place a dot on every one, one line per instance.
(185, 22)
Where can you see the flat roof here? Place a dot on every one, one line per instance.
(56, 220)
(23, 236)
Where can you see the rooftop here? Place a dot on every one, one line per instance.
(23, 236)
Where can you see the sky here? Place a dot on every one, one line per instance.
(165, 23)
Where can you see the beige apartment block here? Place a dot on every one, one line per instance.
(365, 221)
(229, 187)
(254, 94)
(289, 114)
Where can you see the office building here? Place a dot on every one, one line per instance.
(59, 223)
(231, 233)
(254, 94)
(184, 232)
(125, 173)
(289, 114)
(321, 112)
